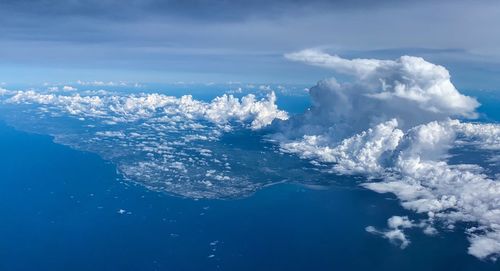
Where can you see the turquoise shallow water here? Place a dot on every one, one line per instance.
(64, 209)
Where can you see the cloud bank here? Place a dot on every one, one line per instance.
(221, 110)
(393, 122)
(163, 142)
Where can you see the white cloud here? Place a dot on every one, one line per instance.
(395, 234)
(69, 88)
(409, 89)
(262, 112)
(359, 67)
(221, 110)
(4, 92)
(111, 134)
(412, 167)
(485, 245)
(393, 123)
(485, 136)
(163, 142)
(103, 83)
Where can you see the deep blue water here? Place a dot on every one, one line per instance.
(64, 209)
(60, 211)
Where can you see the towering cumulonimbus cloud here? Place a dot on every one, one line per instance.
(393, 122)
(409, 89)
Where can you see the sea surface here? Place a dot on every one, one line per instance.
(67, 209)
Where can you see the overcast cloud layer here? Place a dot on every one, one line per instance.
(210, 40)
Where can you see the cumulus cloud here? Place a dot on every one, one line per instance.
(108, 83)
(409, 89)
(224, 109)
(485, 136)
(4, 91)
(261, 112)
(485, 245)
(165, 143)
(395, 234)
(412, 167)
(69, 88)
(393, 121)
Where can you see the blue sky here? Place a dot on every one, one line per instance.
(204, 41)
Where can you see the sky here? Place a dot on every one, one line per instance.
(401, 120)
(220, 40)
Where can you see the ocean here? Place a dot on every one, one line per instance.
(66, 209)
